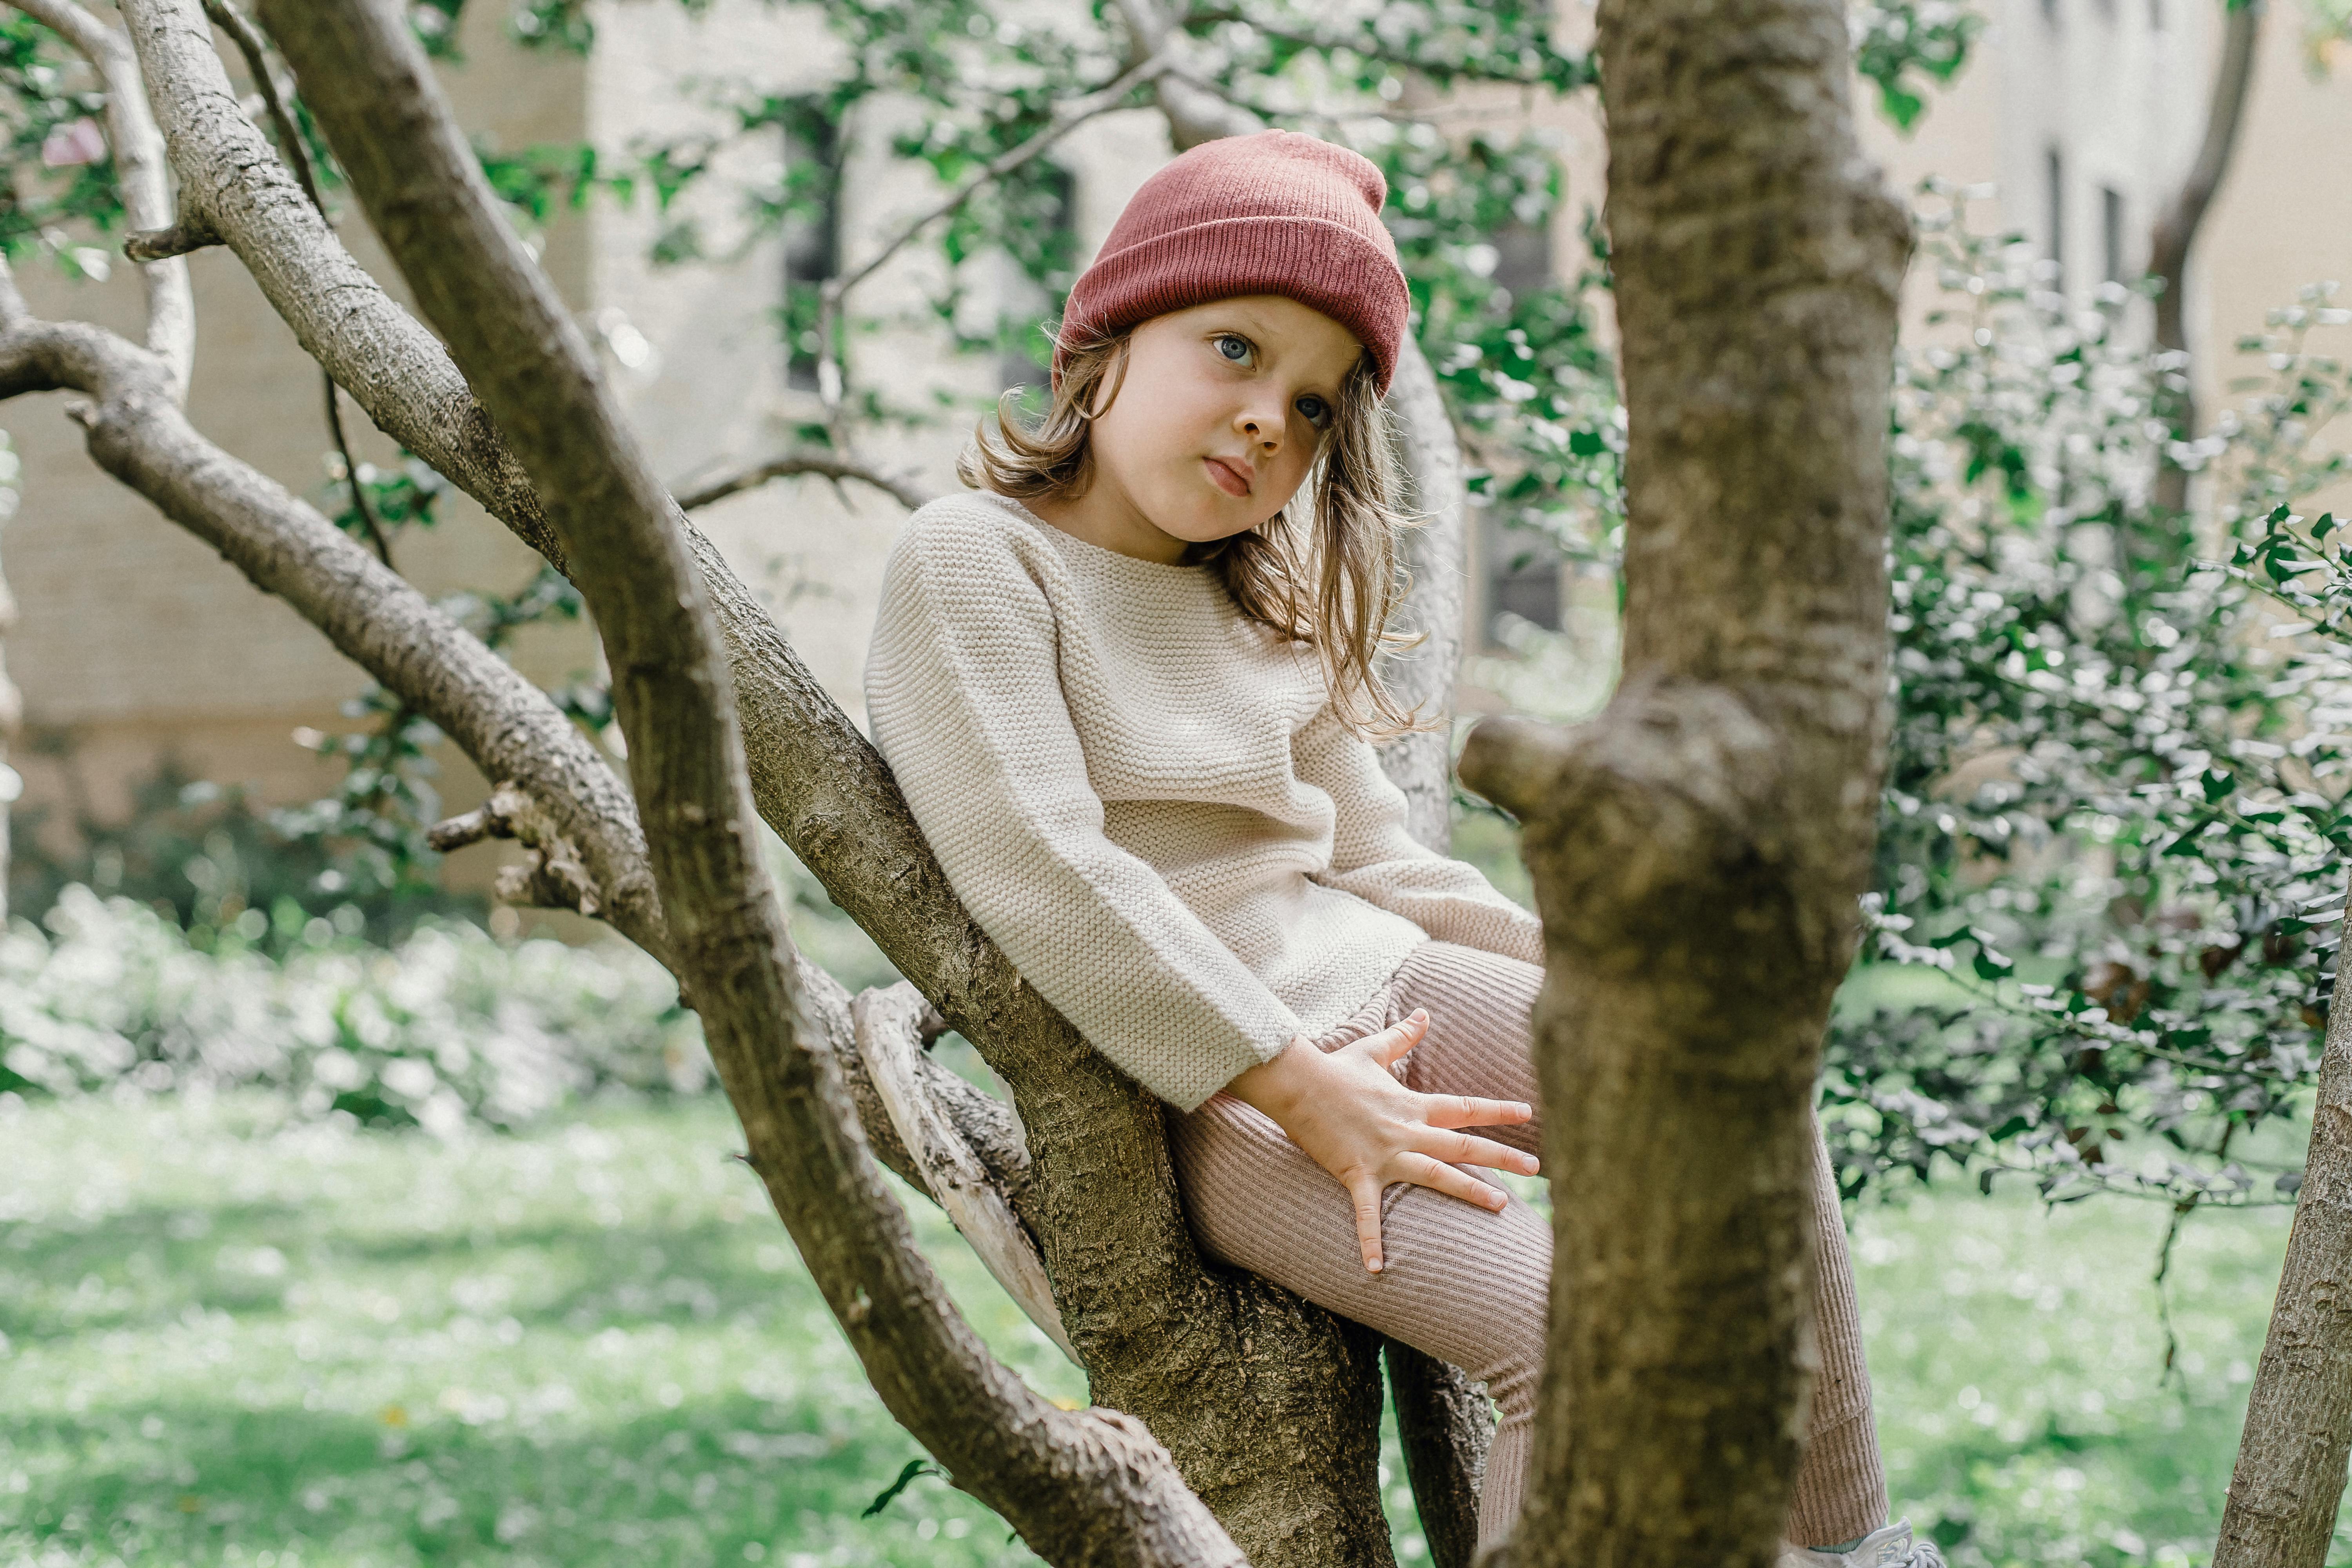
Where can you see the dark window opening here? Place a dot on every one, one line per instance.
(1522, 578)
(2054, 210)
(1523, 260)
(812, 232)
(2111, 232)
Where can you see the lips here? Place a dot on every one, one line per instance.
(1228, 477)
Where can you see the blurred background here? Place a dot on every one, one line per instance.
(349, 1217)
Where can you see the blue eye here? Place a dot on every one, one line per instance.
(1233, 347)
(1317, 412)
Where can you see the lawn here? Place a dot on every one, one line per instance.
(225, 1338)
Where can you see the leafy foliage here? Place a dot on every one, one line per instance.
(57, 192)
(1905, 46)
(448, 1027)
(2113, 831)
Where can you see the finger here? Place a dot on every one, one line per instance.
(1435, 1174)
(1465, 1149)
(1366, 1192)
(1394, 1041)
(1466, 1110)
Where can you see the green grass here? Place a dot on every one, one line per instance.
(233, 1340)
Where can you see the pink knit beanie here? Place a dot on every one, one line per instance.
(1276, 213)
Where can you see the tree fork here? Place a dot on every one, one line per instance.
(1697, 849)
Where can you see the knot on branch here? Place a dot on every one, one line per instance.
(552, 875)
(1667, 807)
(191, 233)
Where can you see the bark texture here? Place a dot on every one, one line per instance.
(1085, 1487)
(1423, 675)
(1698, 848)
(2176, 233)
(2289, 1479)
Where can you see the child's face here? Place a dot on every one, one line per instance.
(1221, 414)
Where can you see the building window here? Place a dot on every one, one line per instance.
(1049, 210)
(2054, 210)
(1523, 260)
(811, 231)
(1523, 577)
(2111, 232)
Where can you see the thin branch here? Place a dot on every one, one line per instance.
(380, 621)
(1364, 46)
(828, 465)
(190, 233)
(140, 171)
(829, 299)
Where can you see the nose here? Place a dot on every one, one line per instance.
(1262, 425)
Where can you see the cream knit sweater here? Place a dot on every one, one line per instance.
(1147, 800)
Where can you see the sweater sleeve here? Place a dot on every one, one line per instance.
(964, 695)
(1374, 857)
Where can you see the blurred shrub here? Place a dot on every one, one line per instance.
(448, 1025)
(204, 855)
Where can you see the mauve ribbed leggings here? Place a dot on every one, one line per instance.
(1468, 1286)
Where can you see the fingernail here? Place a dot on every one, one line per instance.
(1373, 1267)
(1420, 1015)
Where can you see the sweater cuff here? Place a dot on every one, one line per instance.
(1188, 1084)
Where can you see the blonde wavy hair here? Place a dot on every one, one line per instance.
(1327, 580)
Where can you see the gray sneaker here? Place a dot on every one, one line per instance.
(1889, 1548)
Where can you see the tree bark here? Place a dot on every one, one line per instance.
(1261, 1397)
(2175, 234)
(1422, 763)
(2289, 1480)
(1698, 848)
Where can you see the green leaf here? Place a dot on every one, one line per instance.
(905, 1479)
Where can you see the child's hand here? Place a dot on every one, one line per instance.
(1348, 1110)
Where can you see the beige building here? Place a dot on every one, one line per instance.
(134, 644)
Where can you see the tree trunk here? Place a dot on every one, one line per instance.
(2156, 560)
(1699, 847)
(1423, 677)
(2289, 1479)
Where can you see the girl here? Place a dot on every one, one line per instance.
(1127, 686)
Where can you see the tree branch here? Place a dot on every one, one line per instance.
(137, 433)
(826, 465)
(2176, 233)
(1085, 1487)
(140, 170)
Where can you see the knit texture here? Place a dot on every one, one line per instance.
(1147, 800)
(1279, 212)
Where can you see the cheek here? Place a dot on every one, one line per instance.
(1289, 473)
